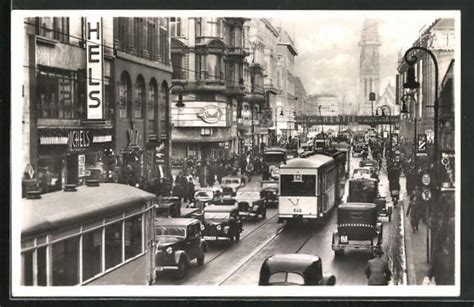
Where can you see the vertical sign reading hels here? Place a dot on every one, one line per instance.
(94, 59)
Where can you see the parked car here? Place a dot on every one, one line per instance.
(251, 204)
(205, 195)
(222, 222)
(230, 184)
(364, 172)
(269, 192)
(168, 207)
(359, 147)
(178, 242)
(294, 269)
(366, 190)
(372, 164)
(357, 228)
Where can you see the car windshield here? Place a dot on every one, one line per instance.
(270, 185)
(237, 181)
(216, 215)
(225, 202)
(286, 278)
(363, 191)
(274, 157)
(361, 171)
(204, 194)
(171, 231)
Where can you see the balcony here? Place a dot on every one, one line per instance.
(237, 51)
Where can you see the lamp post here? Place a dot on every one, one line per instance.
(292, 113)
(276, 119)
(411, 58)
(169, 125)
(382, 108)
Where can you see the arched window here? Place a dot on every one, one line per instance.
(151, 105)
(124, 95)
(139, 98)
(163, 106)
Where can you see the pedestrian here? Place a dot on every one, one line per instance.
(377, 270)
(190, 190)
(413, 210)
(364, 155)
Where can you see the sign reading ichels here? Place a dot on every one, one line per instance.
(94, 59)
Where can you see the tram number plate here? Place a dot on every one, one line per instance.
(343, 239)
(297, 210)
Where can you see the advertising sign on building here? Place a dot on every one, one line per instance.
(201, 114)
(81, 165)
(94, 60)
(421, 145)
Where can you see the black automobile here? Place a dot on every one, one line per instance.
(294, 270)
(359, 147)
(372, 164)
(357, 228)
(168, 207)
(269, 192)
(222, 221)
(251, 204)
(366, 190)
(178, 242)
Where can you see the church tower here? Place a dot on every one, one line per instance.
(369, 69)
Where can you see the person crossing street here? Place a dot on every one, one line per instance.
(377, 271)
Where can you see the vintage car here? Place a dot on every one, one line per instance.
(359, 147)
(230, 184)
(178, 242)
(206, 195)
(294, 270)
(357, 228)
(362, 172)
(366, 190)
(273, 157)
(168, 206)
(251, 204)
(374, 165)
(222, 221)
(269, 192)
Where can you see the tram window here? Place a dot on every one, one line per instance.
(66, 262)
(91, 254)
(28, 268)
(113, 245)
(306, 187)
(133, 236)
(42, 265)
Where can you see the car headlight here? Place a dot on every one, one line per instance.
(255, 207)
(218, 227)
(169, 250)
(202, 227)
(226, 229)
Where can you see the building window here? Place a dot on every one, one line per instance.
(61, 29)
(66, 262)
(177, 64)
(152, 40)
(162, 107)
(124, 95)
(175, 26)
(58, 94)
(92, 254)
(133, 236)
(139, 98)
(232, 37)
(214, 27)
(213, 67)
(201, 73)
(113, 245)
(164, 45)
(198, 26)
(152, 102)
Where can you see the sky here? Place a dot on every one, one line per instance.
(328, 52)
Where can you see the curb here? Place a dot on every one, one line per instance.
(410, 264)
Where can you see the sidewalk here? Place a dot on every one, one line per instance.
(415, 243)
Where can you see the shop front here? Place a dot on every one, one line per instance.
(71, 156)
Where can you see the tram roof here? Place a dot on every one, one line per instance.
(58, 209)
(313, 161)
(275, 150)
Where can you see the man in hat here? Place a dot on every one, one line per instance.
(377, 270)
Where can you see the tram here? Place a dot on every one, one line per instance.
(307, 188)
(272, 158)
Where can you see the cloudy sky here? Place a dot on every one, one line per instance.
(328, 59)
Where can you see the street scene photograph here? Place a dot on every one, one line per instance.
(157, 151)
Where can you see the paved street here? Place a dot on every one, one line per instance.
(239, 264)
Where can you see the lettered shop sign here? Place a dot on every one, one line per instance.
(94, 58)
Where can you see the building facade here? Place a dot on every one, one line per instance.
(286, 98)
(369, 65)
(207, 58)
(68, 98)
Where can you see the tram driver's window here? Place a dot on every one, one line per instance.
(133, 236)
(91, 254)
(27, 258)
(66, 262)
(113, 245)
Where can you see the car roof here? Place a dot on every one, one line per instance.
(231, 177)
(247, 195)
(297, 263)
(220, 208)
(275, 150)
(309, 162)
(356, 206)
(362, 178)
(208, 189)
(59, 209)
(175, 221)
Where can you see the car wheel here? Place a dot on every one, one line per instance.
(339, 253)
(182, 269)
(200, 259)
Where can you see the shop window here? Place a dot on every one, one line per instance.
(175, 26)
(27, 259)
(58, 94)
(139, 98)
(91, 254)
(133, 236)
(113, 245)
(66, 262)
(49, 174)
(124, 95)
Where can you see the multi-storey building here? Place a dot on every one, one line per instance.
(67, 98)
(207, 58)
(286, 99)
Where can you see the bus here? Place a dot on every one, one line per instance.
(94, 234)
(307, 188)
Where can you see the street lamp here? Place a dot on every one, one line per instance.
(169, 125)
(276, 118)
(411, 58)
(292, 113)
(382, 109)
